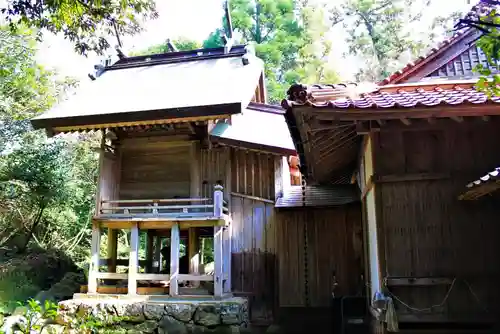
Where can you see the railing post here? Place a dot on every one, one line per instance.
(94, 262)
(133, 260)
(218, 201)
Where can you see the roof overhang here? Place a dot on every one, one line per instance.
(327, 127)
(259, 127)
(200, 84)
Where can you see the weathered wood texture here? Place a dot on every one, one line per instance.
(155, 171)
(427, 232)
(109, 176)
(313, 244)
(252, 173)
(213, 169)
(254, 261)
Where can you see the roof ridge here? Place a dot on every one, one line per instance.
(429, 56)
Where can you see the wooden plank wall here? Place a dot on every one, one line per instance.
(254, 261)
(427, 230)
(213, 169)
(155, 170)
(252, 173)
(312, 245)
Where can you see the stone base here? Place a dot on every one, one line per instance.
(153, 316)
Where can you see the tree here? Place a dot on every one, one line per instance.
(86, 23)
(46, 186)
(282, 35)
(181, 44)
(381, 32)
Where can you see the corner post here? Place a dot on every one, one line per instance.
(226, 248)
(218, 260)
(174, 259)
(133, 259)
(218, 201)
(94, 262)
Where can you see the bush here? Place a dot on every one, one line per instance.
(15, 285)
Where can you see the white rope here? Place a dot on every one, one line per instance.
(445, 299)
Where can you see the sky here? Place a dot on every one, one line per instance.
(193, 19)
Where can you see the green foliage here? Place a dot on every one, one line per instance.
(181, 43)
(489, 43)
(384, 34)
(290, 38)
(15, 285)
(88, 24)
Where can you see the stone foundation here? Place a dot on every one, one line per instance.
(166, 316)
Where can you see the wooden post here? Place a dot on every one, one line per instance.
(149, 251)
(226, 248)
(194, 253)
(218, 258)
(112, 249)
(174, 259)
(218, 201)
(133, 260)
(158, 253)
(94, 263)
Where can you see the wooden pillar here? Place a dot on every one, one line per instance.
(174, 259)
(149, 251)
(133, 259)
(112, 249)
(226, 249)
(195, 192)
(94, 262)
(194, 253)
(158, 257)
(218, 258)
(218, 201)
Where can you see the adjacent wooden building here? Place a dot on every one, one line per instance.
(412, 145)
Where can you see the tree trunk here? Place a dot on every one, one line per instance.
(29, 235)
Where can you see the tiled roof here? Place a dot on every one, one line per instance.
(424, 94)
(425, 59)
(482, 186)
(318, 196)
(462, 32)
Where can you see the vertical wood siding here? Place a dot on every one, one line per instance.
(428, 231)
(213, 169)
(252, 173)
(312, 245)
(254, 260)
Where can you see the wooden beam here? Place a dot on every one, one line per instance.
(94, 262)
(218, 258)
(418, 281)
(410, 177)
(112, 249)
(120, 276)
(218, 201)
(133, 259)
(405, 121)
(254, 198)
(153, 277)
(195, 278)
(174, 260)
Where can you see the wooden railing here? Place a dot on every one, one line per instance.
(166, 208)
